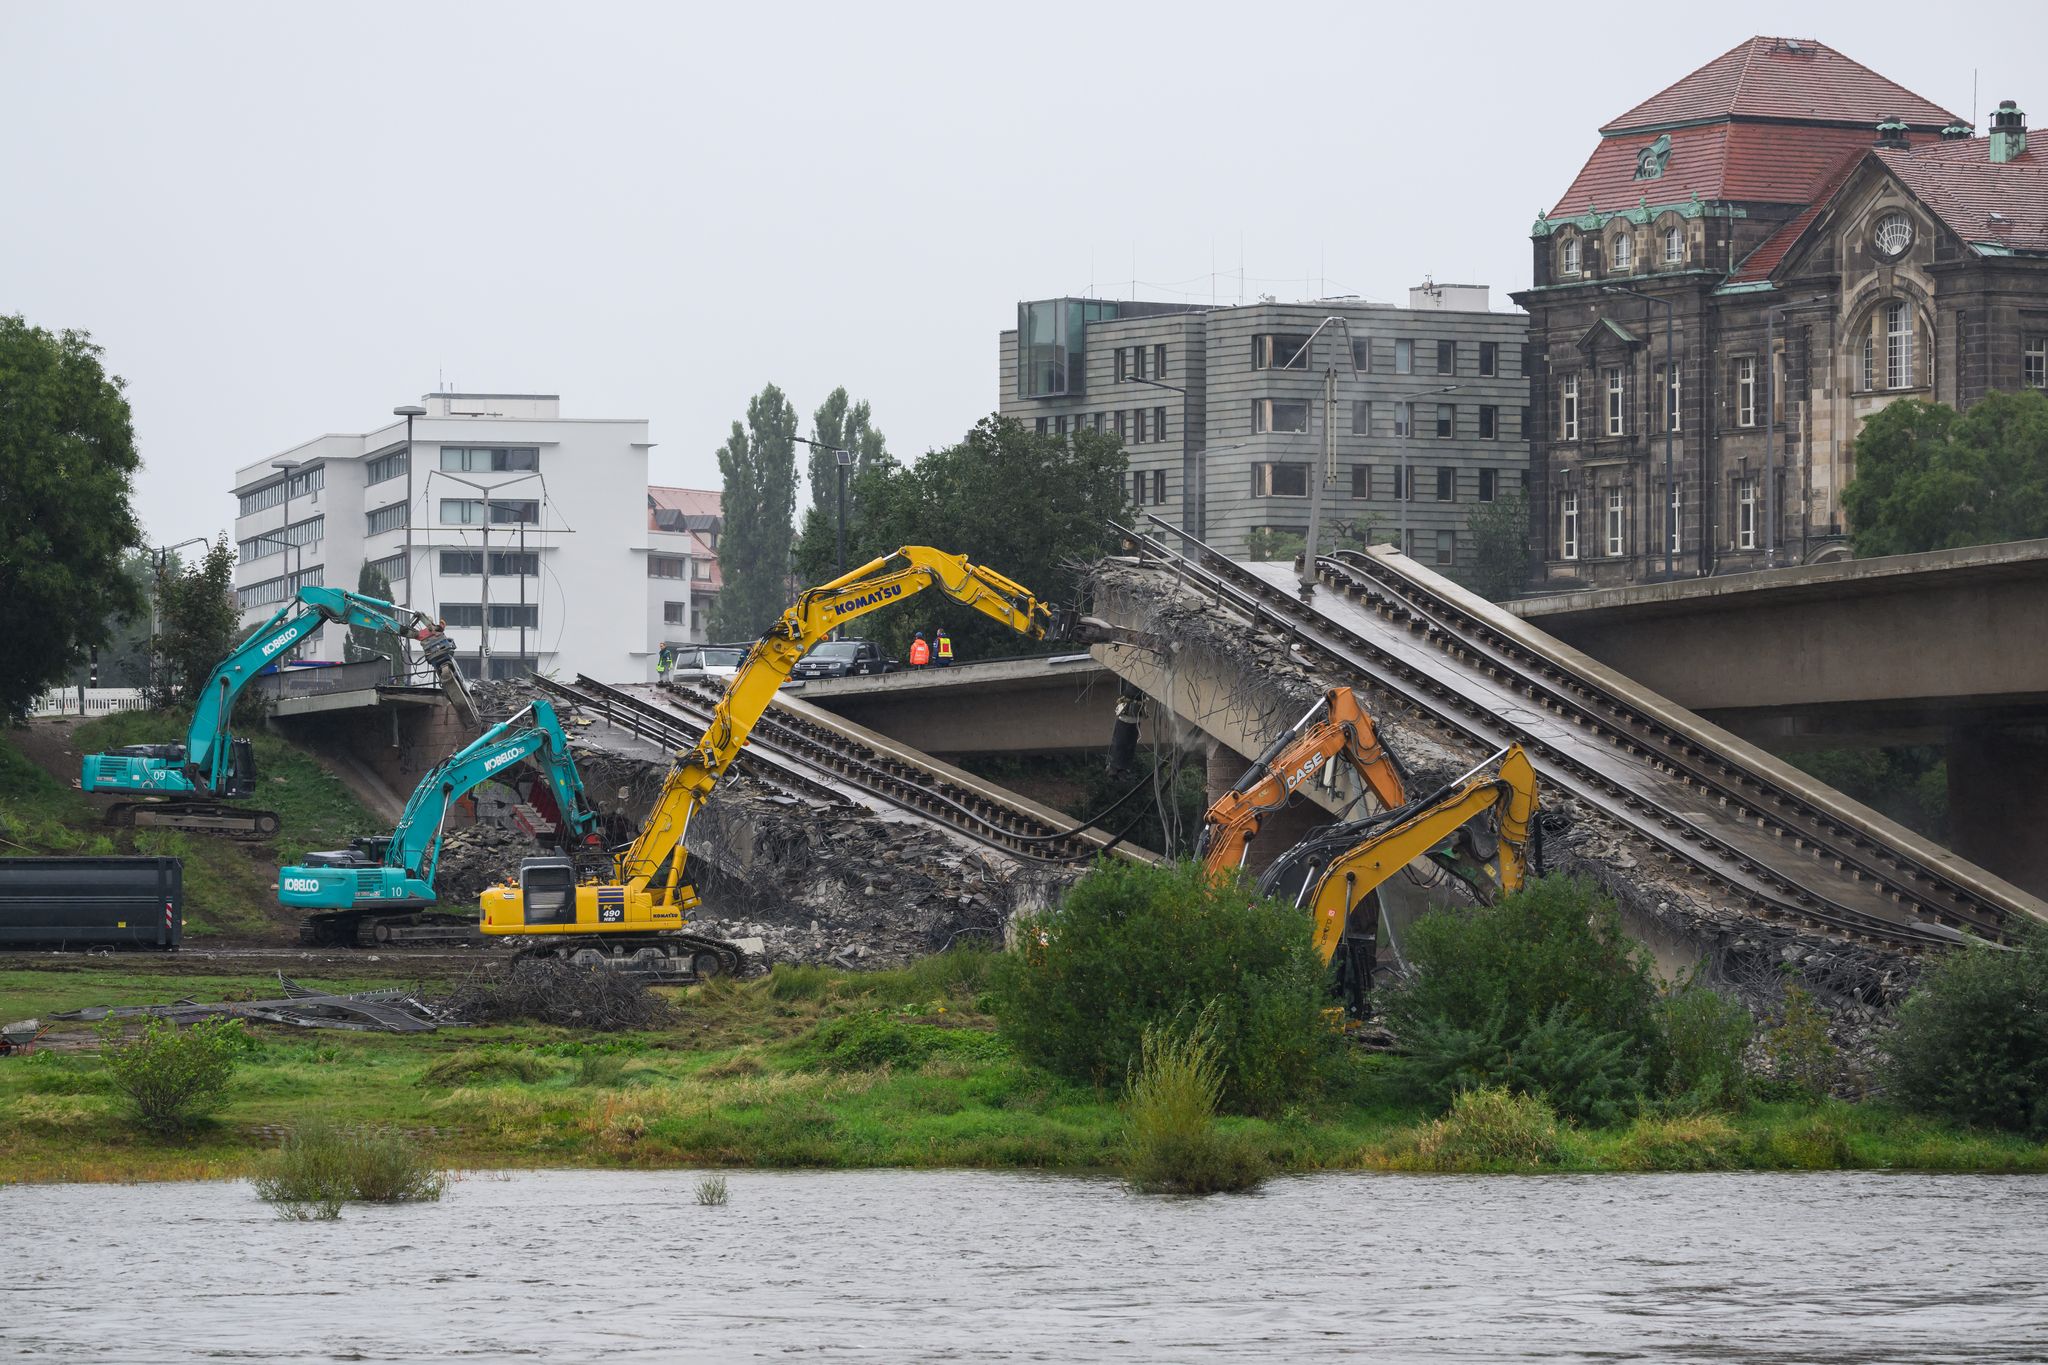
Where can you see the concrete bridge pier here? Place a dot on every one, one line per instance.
(1998, 800)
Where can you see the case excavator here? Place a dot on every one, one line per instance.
(379, 890)
(1335, 728)
(190, 786)
(633, 918)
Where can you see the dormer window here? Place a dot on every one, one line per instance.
(1623, 254)
(1568, 256)
(1674, 245)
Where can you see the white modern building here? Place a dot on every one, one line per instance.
(534, 536)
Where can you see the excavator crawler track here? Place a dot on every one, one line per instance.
(197, 817)
(384, 929)
(668, 958)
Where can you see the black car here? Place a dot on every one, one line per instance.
(843, 658)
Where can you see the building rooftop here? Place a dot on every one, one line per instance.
(2000, 204)
(1796, 79)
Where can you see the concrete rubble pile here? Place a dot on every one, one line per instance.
(816, 881)
(1683, 917)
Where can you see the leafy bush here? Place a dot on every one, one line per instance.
(319, 1167)
(1171, 1142)
(173, 1077)
(873, 1039)
(1971, 1044)
(1488, 1129)
(472, 1066)
(1804, 1062)
(1134, 947)
(1694, 1142)
(1540, 993)
(1705, 1035)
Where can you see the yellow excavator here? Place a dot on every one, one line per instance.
(1335, 728)
(1478, 827)
(632, 919)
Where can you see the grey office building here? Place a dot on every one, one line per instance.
(1222, 409)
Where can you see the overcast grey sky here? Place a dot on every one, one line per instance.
(282, 219)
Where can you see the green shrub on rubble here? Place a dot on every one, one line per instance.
(1135, 947)
(1971, 1043)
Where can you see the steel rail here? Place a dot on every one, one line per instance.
(1769, 891)
(796, 749)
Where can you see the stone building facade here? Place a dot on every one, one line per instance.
(1226, 412)
(1752, 263)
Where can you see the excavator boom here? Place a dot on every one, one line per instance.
(1336, 727)
(636, 917)
(212, 765)
(1338, 870)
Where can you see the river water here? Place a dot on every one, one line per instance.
(964, 1266)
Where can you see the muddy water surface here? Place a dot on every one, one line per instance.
(888, 1266)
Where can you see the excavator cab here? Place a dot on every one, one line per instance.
(548, 890)
(241, 778)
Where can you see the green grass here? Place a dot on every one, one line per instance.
(227, 882)
(737, 1081)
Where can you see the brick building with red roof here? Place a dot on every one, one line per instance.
(1751, 263)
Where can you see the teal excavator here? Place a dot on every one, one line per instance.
(377, 890)
(190, 786)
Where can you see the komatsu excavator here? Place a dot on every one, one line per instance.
(378, 889)
(1478, 827)
(193, 781)
(633, 919)
(1335, 728)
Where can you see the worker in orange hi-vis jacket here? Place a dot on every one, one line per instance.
(920, 652)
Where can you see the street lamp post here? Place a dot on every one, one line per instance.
(1670, 417)
(842, 460)
(163, 557)
(1194, 502)
(483, 649)
(1407, 472)
(408, 411)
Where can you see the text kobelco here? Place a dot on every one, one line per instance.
(498, 761)
(271, 647)
(868, 599)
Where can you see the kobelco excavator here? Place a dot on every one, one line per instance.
(1335, 728)
(193, 781)
(633, 918)
(1478, 827)
(377, 890)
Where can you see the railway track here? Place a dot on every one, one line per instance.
(813, 759)
(1771, 849)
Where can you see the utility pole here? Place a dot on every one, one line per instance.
(1326, 474)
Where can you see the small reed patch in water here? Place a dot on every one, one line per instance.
(711, 1191)
(320, 1167)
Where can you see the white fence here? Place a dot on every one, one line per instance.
(89, 701)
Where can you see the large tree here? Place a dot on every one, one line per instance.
(363, 643)
(1030, 507)
(1929, 478)
(1500, 546)
(67, 466)
(200, 621)
(758, 462)
(838, 424)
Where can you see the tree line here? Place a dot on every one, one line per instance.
(1031, 507)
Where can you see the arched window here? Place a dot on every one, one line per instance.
(1890, 355)
(1623, 256)
(1568, 256)
(1674, 245)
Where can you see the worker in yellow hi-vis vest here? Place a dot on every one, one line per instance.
(944, 649)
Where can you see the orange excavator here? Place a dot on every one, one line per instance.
(1335, 728)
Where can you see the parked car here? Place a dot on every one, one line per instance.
(707, 661)
(844, 658)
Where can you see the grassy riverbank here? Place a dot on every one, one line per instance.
(806, 1068)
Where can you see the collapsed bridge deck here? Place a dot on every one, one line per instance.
(1751, 835)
